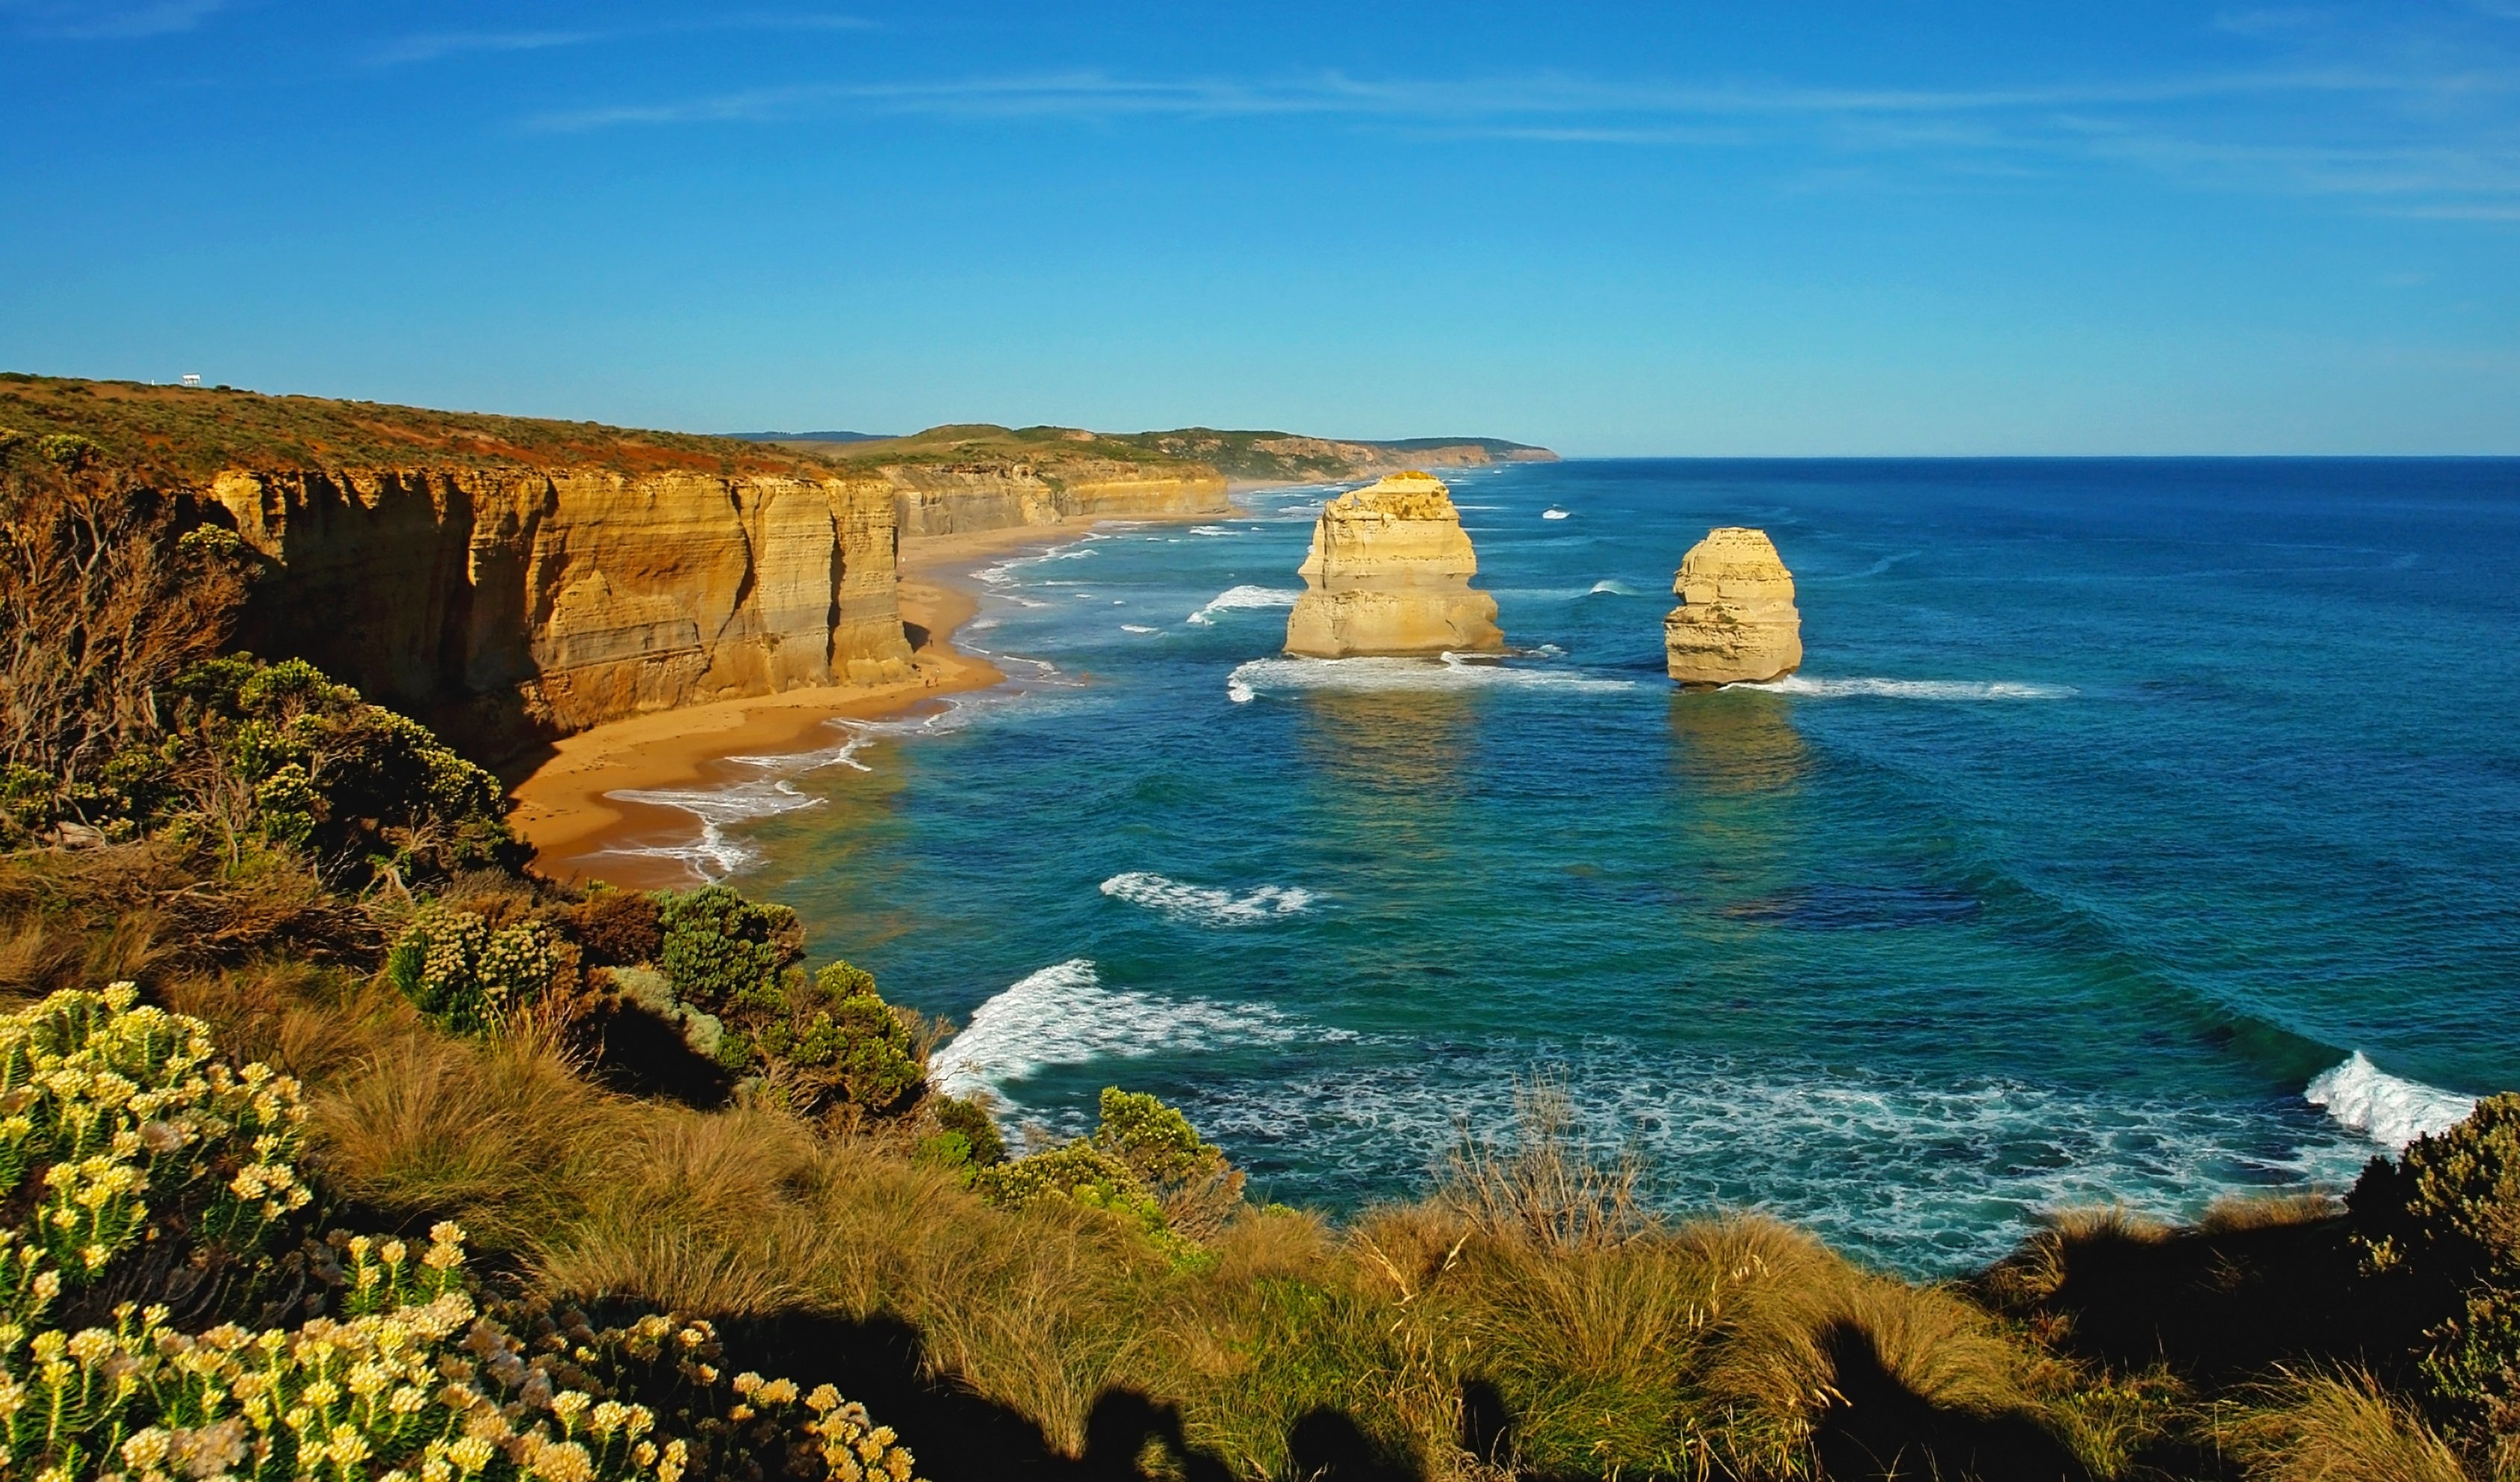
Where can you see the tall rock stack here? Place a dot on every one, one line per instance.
(1389, 573)
(1735, 621)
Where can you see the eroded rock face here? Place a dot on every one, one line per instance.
(512, 607)
(1389, 573)
(1736, 620)
(959, 499)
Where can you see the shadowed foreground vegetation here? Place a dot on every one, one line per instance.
(388, 1149)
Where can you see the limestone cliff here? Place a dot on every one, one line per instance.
(1389, 573)
(509, 605)
(1736, 619)
(958, 499)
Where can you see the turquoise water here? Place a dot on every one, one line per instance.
(2117, 802)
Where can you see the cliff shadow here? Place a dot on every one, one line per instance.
(1878, 1429)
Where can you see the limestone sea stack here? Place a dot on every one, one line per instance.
(1389, 573)
(1735, 621)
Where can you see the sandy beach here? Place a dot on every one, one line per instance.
(563, 807)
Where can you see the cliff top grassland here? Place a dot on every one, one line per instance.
(1250, 457)
(184, 434)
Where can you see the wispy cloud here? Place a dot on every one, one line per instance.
(2400, 140)
(433, 46)
(107, 19)
(1098, 94)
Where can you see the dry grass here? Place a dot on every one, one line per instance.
(2237, 1213)
(2344, 1428)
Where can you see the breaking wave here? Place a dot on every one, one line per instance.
(1203, 904)
(1278, 676)
(1237, 598)
(1911, 689)
(1613, 588)
(2391, 1110)
(1552, 514)
(1138, 628)
(1064, 1016)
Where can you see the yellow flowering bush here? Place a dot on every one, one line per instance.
(126, 1126)
(128, 1144)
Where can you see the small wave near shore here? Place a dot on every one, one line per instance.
(1204, 905)
(1272, 676)
(1243, 599)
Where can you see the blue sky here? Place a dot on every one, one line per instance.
(1688, 229)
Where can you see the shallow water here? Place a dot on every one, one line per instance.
(2117, 804)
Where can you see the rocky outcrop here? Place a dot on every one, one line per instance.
(512, 606)
(1736, 620)
(1389, 573)
(959, 499)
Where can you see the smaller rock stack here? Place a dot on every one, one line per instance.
(1735, 621)
(1389, 573)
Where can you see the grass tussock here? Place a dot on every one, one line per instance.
(2344, 1427)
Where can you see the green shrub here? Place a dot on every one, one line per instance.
(2443, 1226)
(1145, 1162)
(720, 948)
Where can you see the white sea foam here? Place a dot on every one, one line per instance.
(1204, 905)
(1138, 628)
(716, 853)
(1006, 570)
(1237, 598)
(1212, 530)
(1552, 514)
(1811, 686)
(1064, 1016)
(1907, 1168)
(1609, 587)
(2391, 1110)
(1275, 676)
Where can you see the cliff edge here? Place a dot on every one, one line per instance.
(1736, 620)
(1389, 573)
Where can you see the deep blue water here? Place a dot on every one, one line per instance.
(2116, 802)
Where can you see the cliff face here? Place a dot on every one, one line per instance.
(1736, 620)
(960, 499)
(510, 605)
(1389, 573)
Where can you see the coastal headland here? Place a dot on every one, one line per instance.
(595, 610)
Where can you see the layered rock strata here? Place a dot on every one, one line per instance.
(1389, 573)
(509, 607)
(1736, 620)
(961, 499)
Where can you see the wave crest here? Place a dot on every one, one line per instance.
(1064, 1016)
(2391, 1110)
(1911, 689)
(1236, 599)
(1274, 676)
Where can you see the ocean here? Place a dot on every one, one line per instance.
(2138, 831)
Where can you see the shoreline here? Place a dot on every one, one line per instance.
(580, 833)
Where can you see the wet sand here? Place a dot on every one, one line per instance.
(562, 808)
